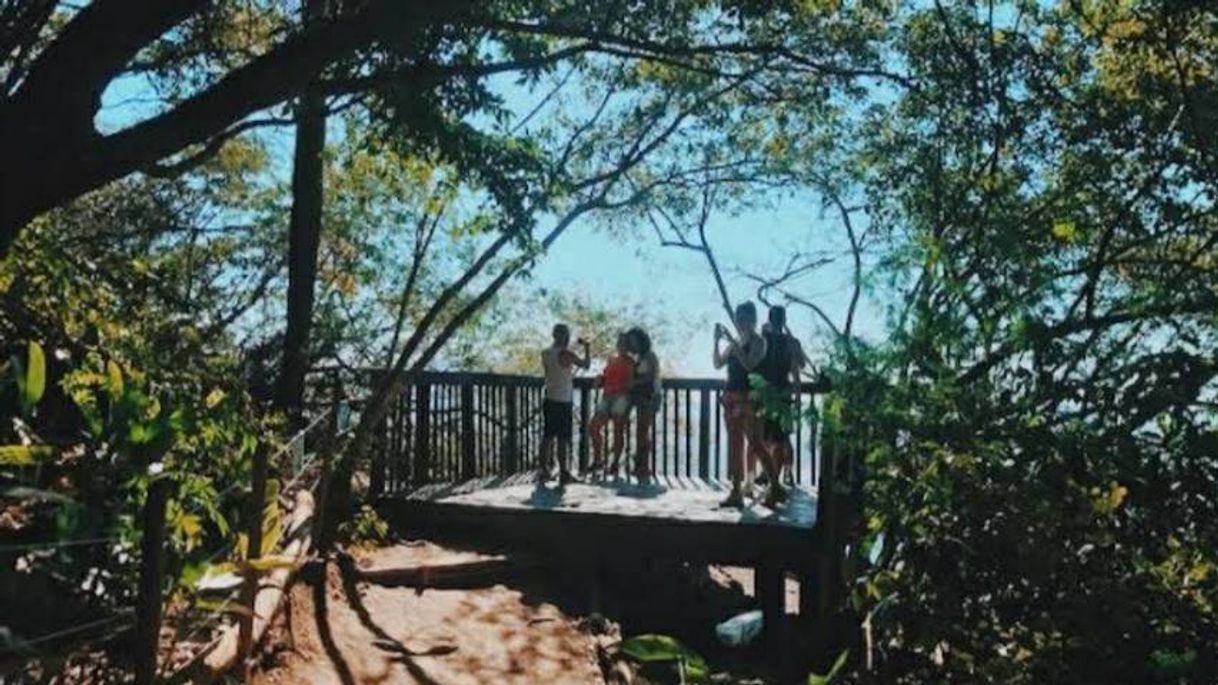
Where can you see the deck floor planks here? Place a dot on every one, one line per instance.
(670, 499)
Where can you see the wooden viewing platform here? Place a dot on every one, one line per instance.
(667, 517)
(456, 457)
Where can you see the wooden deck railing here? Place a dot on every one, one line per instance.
(455, 426)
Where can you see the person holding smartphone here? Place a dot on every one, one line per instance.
(558, 363)
(741, 356)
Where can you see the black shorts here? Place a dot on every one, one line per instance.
(646, 401)
(556, 419)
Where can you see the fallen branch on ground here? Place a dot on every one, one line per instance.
(458, 576)
(222, 655)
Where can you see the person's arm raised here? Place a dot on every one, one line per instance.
(586, 361)
(721, 355)
(574, 359)
(751, 353)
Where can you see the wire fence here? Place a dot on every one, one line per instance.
(123, 620)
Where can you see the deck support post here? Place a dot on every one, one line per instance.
(422, 433)
(585, 396)
(828, 520)
(377, 478)
(596, 586)
(468, 457)
(771, 593)
(511, 447)
(152, 570)
(704, 417)
(810, 605)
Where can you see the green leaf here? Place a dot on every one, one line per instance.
(1169, 664)
(662, 648)
(190, 525)
(24, 455)
(833, 673)
(270, 563)
(647, 648)
(1065, 232)
(214, 397)
(35, 383)
(114, 380)
(216, 606)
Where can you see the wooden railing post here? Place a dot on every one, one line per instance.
(255, 508)
(152, 568)
(323, 525)
(825, 597)
(704, 416)
(376, 479)
(585, 396)
(511, 448)
(422, 432)
(468, 457)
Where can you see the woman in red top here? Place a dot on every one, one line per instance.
(614, 406)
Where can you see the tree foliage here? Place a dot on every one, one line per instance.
(1036, 436)
(1028, 186)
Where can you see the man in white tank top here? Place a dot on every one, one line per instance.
(558, 363)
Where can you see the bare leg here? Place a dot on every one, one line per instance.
(564, 474)
(751, 456)
(774, 458)
(547, 451)
(755, 452)
(786, 461)
(735, 451)
(619, 443)
(596, 435)
(642, 439)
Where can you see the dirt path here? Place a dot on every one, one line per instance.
(350, 633)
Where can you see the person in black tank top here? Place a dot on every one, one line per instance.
(780, 369)
(741, 357)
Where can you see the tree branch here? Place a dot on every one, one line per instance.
(209, 150)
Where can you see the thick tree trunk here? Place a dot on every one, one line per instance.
(53, 154)
(304, 237)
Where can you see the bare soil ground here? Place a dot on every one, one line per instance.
(531, 629)
(342, 632)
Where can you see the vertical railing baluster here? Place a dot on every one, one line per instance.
(484, 435)
(376, 480)
(422, 432)
(453, 437)
(585, 393)
(676, 433)
(689, 434)
(468, 439)
(511, 454)
(718, 434)
(704, 414)
(663, 442)
(654, 431)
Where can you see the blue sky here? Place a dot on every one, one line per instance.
(636, 270)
